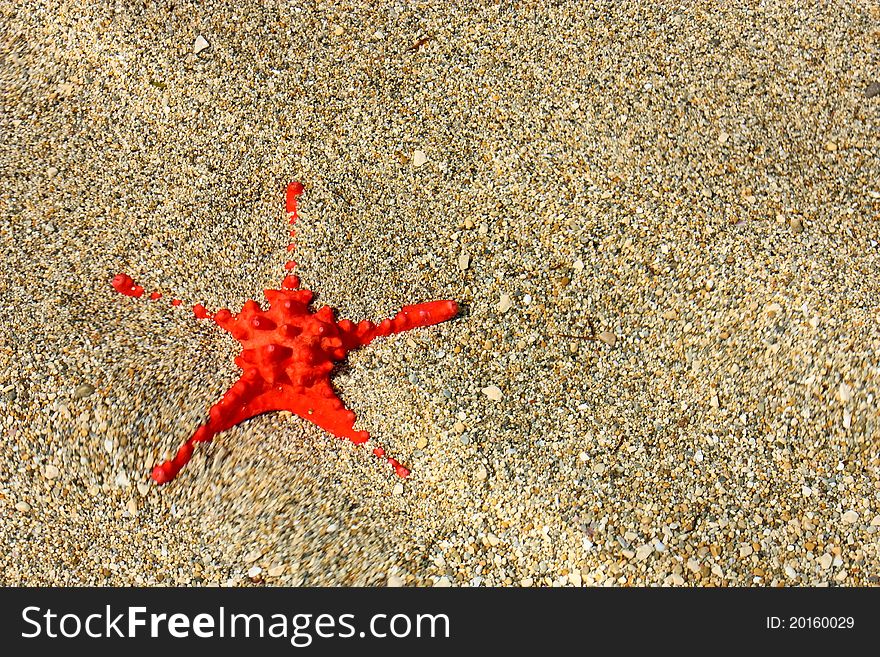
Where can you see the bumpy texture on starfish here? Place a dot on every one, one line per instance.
(288, 354)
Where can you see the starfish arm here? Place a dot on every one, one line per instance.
(294, 190)
(233, 408)
(329, 413)
(124, 284)
(320, 405)
(409, 317)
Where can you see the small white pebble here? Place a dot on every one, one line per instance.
(419, 159)
(608, 338)
(254, 572)
(644, 551)
(51, 472)
(23, 507)
(850, 517)
(464, 261)
(395, 582)
(505, 303)
(200, 44)
(398, 489)
(493, 392)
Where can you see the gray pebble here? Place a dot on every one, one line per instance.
(84, 390)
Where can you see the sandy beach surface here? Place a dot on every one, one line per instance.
(661, 221)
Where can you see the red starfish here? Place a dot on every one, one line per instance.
(287, 357)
